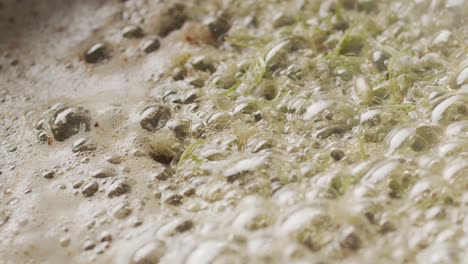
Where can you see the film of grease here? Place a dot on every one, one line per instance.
(227, 131)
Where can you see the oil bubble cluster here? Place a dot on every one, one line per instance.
(243, 132)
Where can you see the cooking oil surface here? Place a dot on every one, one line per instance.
(233, 131)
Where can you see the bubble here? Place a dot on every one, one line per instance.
(438, 253)
(415, 137)
(175, 227)
(458, 129)
(83, 144)
(162, 174)
(42, 136)
(150, 45)
(314, 109)
(453, 148)
(154, 117)
(245, 108)
(179, 73)
(450, 108)
(455, 172)
(196, 81)
(380, 60)
(12, 149)
(40, 124)
(77, 184)
(175, 199)
(435, 212)
(65, 241)
(132, 31)
(282, 20)
(219, 120)
(48, 174)
(337, 154)
(213, 251)
(461, 81)
(442, 38)
(121, 210)
(252, 219)
(330, 130)
(203, 63)
(4, 216)
(259, 144)
(68, 121)
(332, 112)
(362, 90)
(161, 150)
(88, 245)
(114, 159)
(103, 172)
(350, 239)
(117, 188)
(276, 55)
(214, 154)
(263, 248)
(301, 219)
(393, 176)
(88, 189)
(180, 127)
(266, 90)
(149, 253)
(237, 168)
(96, 53)
(376, 123)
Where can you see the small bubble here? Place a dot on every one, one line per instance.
(150, 252)
(96, 53)
(154, 117)
(88, 245)
(48, 174)
(89, 188)
(103, 172)
(117, 188)
(132, 31)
